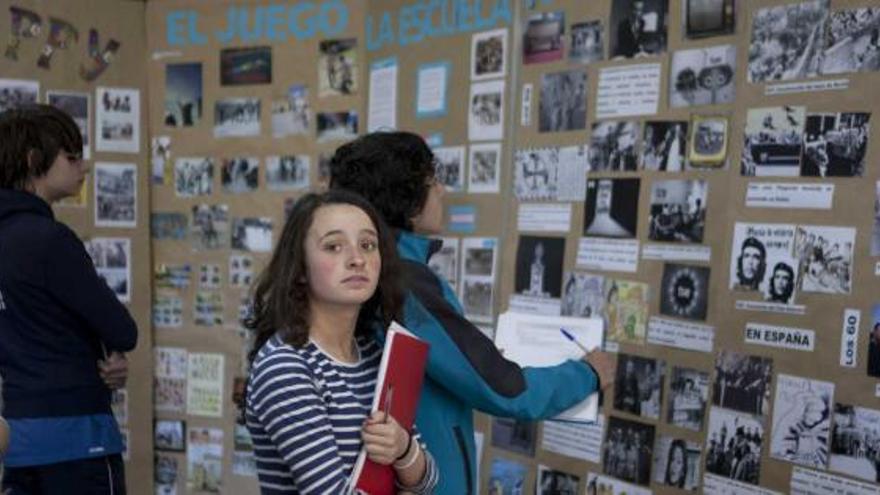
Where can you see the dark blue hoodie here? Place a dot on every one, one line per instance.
(57, 317)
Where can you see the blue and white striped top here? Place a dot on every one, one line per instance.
(305, 411)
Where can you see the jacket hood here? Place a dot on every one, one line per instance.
(14, 202)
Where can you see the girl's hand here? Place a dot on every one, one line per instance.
(384, 439)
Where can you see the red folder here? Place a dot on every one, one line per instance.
(398, 388)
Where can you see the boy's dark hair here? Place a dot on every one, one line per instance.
(392, 170)
(281, 293)
(31, 137)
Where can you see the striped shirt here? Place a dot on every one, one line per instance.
(305, 411)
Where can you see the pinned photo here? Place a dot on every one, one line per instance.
(787, 40)
(288, 172)
(628, 450)
(240, 174)
(835, 144)
(243, 66)
(611, 208)
(684, 291)
(165, 476)
(167, 311)
(160, 158)
(485, 168)
(733, 445)
(449, 167)
(168, 225)
(506, 477)
(563, 103)
(626, 311)
(874, 343)
(702, 76)
(539, 266)
(613, 146)
(583, 295)
(689, 394)
(193, 176)
(115, 195)
(169, 435)
(773, 142)
(210, 276)
(708, 141)
(337, 67)
(478, 277)
(17, 92)
(854, 439)
(118, 120)
(207, 312)
(826, 258)
(664, 146)
(486, 111)
(236, 117)
(489, 54)
(252, 234)
(183, 95)
(112, 259)
(204, 459)
(518, 436)
(587, 42)
(678, 211)
(334, 126)
(677, 463)
(638, 27)
(291, 115)
(210, 226)
(638, 387)
(444, 262)
(241, 271)
(555, 482)
(852, 43)
(78, 106)
(802, 421)
(742, 382)
(705, 18)
(761, 253)
(536, 173)
(542, 40)
(168, 276)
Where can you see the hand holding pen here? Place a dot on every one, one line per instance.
(603, 363)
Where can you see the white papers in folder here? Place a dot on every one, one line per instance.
(533, 340)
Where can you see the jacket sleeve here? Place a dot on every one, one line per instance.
(469, 366)
(71, 278)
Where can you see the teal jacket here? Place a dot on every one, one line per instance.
(465, 371)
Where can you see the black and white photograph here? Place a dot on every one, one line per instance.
(638, 27)
(78, 106)
(240, 174)
(210, 227)
(613, 146)
(555, 482)
(449, 167)
(733, 445)
(484, 175)
(688, 396)
(183, 94)
(638, 386)
(855, 442)
(117, 120)
(112, 259)
(539, 266)
(489, 54)
(774, 141)
(684, 291)
(628, 450)
(543, 37)
(169, 435)
(707, 144)
(292, 114)
(244, 66)
(17, 92)
(678, 211)
(611, 208)
(515, 435)
(287, 172)
(536, 173)
(873, 344)
(742, 382)
(444, 262)
(787, 41)
(664, 146)
(781, 282)
(241, 271)
(479, 260)
(702, 76)
(478, 277)
(875, 232)
(677, 463)
(587, 42)
(210, 276)
(801, 421)
(333, 126)
(193, 176)
(252, 234)
(477, 297)
(486, 111)
(236, 117)
(160, 160)
(826, 258)
(168, 225)
(337, 67)
(208, 310)
(583, 295)
(563, 103)
(852, 41)
(705, 18)
(835, 144)
(764, 261)
(115, 195)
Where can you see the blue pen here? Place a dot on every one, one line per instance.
(571, 338)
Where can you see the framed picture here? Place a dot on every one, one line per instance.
(169, 435)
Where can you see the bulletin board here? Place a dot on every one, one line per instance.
(71, 37)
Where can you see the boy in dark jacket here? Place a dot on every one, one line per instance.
(62, 330)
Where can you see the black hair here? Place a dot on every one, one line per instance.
(31, 137)
(392, 170)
